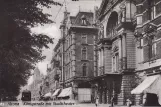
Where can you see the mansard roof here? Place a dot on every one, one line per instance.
(87, 15)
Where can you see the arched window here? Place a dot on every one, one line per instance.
(112, 24)
(84, 69)
(84, 53)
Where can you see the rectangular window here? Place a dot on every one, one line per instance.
(113, 64)
(84, 39)
(152, 48)
(139, 20)
(149, 49)
(84, 53)
(158, 8)
(117, 61)
(84, 68)
(152, 13)
(139, 9)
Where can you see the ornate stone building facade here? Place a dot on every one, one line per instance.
(78, 35)
(148, 46)
(115, 51)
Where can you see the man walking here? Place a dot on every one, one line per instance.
(97, 101)
(112, 101)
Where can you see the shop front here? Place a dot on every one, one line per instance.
(151, 90)
(105, 87)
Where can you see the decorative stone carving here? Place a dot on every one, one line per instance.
(101, 27)
(122, 16)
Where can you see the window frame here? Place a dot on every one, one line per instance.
(152, 45)
(84, 65)
(82, 40)
(82, 53)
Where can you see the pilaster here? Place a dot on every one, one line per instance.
(125, 88)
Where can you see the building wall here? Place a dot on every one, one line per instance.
(130, 43)
(35, 86)
(117, 47)
(90, 54)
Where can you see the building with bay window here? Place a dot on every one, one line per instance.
(116, 51)
(148, 51)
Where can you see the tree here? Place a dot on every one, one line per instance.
(20, 49)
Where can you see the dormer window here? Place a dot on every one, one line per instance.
(84, 20)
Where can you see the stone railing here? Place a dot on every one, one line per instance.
(101, 70)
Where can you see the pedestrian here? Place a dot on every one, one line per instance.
(97, 101)
(128, 103)
(112, 101)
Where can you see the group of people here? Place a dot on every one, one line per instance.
(128, 102)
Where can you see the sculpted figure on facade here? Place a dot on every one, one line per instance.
(101, 30)
(122, 15)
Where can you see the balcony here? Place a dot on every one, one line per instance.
(104, 41)
(112, 33)
(101, 70)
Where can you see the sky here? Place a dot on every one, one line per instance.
(52, 30)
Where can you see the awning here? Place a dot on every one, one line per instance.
(145, 86)
(66, 92)
(47, 94)
(56, 92)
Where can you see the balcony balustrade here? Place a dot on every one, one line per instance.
(101, 70)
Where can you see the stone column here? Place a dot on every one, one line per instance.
(138, 99)
(102, 57)
(124, 53)
(125, 88)
(73, 54)
(107, 58)
(120, 53)
(95, 56)
(99, 61)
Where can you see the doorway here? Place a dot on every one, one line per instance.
(151, 100)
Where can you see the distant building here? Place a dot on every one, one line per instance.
(35, 87)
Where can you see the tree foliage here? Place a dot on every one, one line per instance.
(20, 49)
